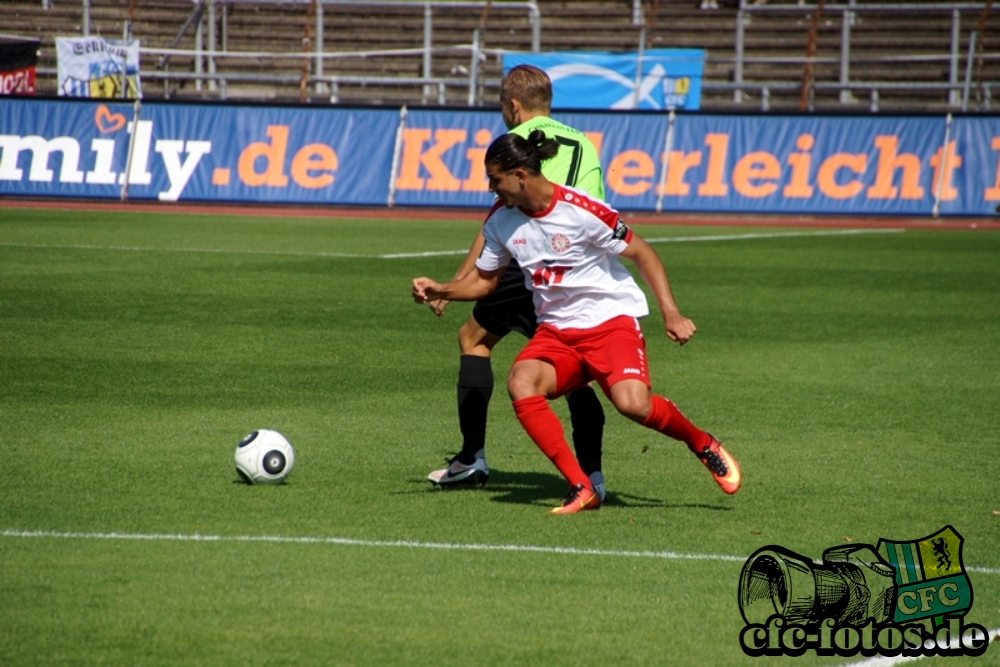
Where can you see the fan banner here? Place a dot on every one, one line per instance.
(657, 79)
(18, 58)
(98, 67)
(653, 161)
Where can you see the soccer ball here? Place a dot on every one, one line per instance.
(264, 457)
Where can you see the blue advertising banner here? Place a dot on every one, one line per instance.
(425, 157)
(803, 164)
(196, 152)
(441, 158)
(665, 78)
(972, 164)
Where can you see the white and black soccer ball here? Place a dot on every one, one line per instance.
(264, 457)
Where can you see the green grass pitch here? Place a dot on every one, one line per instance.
(855, 376)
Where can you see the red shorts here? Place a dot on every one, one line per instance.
(608, 353)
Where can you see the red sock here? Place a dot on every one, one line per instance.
(544, 428)
(668, 420)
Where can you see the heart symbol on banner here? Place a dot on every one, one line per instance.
(106, 121)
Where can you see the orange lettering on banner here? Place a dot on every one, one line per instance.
(951, 162)
(713, 186)
(414, 157)
(632, 164)
(798, 184)
(759, 165)
(274, 157)
(888, 162)
(310, 158)
(477, 180)
(677, 165)
(826, 177)
(993, 194)
(596, 138)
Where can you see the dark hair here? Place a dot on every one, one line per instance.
(511, 151)
(530, 86)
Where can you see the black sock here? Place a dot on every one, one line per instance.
(475, 387)
(587, 417)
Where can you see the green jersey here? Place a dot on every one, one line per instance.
(576, 164)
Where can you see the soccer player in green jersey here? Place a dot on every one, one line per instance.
(525, 100)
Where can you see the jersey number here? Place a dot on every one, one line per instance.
(574, 162)
(550, 275)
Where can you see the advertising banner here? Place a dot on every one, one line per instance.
(196, 152)
(18, 58)
(803, 164)
(659, 79)
(98, 67)
(434, 157)
(973, 164)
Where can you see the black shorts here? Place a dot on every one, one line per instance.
(509, 308)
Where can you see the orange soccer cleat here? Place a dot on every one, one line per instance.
(724, 468)
(580, 498)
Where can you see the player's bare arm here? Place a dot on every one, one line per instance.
(468, 264)
(474, 285)
(678, 327)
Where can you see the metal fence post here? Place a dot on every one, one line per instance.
(474, 67)
(390, 202)
(428, 45)
(956, 40)
(199, 48)
(211, 44)
(847, 19)
(968, 70)
(321, 88)
(942, 167)
(668, 144)
(535, 18)
(738, 64)
(136, 107)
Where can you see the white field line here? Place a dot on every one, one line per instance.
(445, 546)
(435, 253)
(345, 541)
(411, 544)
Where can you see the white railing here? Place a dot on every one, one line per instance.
(958, 92)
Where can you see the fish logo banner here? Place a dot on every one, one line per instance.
(661, 79)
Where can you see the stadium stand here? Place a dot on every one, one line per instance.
(901, 59)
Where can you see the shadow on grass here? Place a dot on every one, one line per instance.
(537, 488)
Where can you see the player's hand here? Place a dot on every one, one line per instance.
(423, 289)
(437, 306)
(679, 328)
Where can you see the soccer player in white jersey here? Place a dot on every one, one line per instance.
(588, 308)
(525, 103)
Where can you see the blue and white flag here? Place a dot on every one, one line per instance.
(98, 67)
(664, 79)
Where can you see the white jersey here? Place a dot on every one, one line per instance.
(569, 256)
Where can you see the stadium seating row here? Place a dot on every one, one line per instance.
(602, 25)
